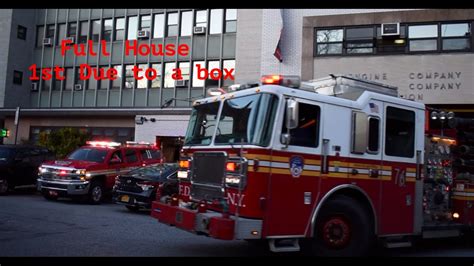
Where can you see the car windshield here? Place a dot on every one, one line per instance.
(155, 171)
(4, 154)
(89, 154)
(243, 120)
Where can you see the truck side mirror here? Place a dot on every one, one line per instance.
(291, 114)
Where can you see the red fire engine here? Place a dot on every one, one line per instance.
(90, 171)
(334, 163)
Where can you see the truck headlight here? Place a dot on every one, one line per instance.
(42, 170)
(182, 174)
(232, 180)
(81, 171)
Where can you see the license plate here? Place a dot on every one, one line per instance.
(53, 193)
(125, 198)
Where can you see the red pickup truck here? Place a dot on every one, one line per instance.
(89, 172)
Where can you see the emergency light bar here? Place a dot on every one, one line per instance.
(283, 80)
(109, 144)
(131, 143)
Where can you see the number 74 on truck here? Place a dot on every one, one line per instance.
(329, 166)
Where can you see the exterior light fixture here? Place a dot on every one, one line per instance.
(442, 115)
(399, 41)
(434, 115)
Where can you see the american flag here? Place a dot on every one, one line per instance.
(277, 52)
(374, 108)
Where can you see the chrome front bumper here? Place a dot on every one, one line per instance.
(70, 187)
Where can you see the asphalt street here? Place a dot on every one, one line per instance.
(33, 226)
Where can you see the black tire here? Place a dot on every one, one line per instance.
(47, 196)
(4, 187)
(96, 192)
(132, 208)
(343, 228)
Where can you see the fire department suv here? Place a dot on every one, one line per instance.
(91, 170)
(333, 164)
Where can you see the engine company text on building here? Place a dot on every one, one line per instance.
(418, 82)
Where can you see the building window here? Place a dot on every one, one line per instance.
(107, 31)
(374, 128)
(156, 82)
(129, 77)
(400, 132)
(329, 41)
(185, 70)
(142, 83)
(17, 77)
(117, 83)
(132, 28)
(391, 44)
(230, 20)
(39, 36)
(306, 134)
(104, 83)
(92, 82)
(172, 29)
(62, 32)
(158, 26)
(69, 78)
(186, 23)
(50, 30)
(216, 21)
(359, 40)
(84, 31)
(119, 29)
(95, 30)
(145, 23)
(456, 36)
(229, 65)
(169, 81)
(72, 29)
(201, 18)
(196, 81)
(423, 38)
(21, 32)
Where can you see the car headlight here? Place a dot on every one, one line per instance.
(42, 170)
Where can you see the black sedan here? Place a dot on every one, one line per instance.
(137, 189)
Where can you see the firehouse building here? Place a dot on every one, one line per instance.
(427, 54)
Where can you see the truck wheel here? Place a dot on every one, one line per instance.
(132, 208)
(47, 196)
(4, 187)
(343, 228)
(96, 192)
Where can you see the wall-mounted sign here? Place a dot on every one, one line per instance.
(431, 79)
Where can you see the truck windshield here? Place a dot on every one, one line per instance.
(244, 120)
(88, 154)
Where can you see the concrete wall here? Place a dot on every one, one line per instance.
(5, 28)
(292, 38)
(248, 54)
(20, 58)
(165, 125)
(431, 79)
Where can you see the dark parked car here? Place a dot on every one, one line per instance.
(137, 189)
(19, 165)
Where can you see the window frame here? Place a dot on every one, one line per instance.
(21, 32)
(387, 107)
(369, 135)
(406, 51)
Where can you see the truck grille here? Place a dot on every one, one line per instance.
(208, 175)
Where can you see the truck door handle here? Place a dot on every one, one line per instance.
(374, 173)
(354, 172)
